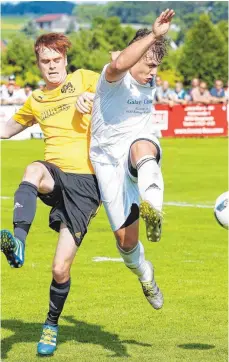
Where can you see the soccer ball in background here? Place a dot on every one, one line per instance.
(221, 209)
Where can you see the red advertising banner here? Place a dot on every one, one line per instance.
(191, 120)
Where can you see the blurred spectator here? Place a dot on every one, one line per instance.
(23, 94)
(2, 89)
(163, 95)
(41, 84)
(158, 86)
(158, 81)
(179, 95)
(218, 93)
(9, 95)
(12, 81)
(201, 95)
(226, 90)
(194, 84)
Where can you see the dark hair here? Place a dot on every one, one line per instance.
(56, 41)
(159, 48)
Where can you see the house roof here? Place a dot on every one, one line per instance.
(48, 17)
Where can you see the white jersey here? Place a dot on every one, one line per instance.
(122, 111)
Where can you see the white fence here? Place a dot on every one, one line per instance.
(6, 112)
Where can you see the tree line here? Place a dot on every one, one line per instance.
(37, 7)
(203, 53)
(144, 12)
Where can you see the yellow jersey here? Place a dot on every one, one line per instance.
(66, 137)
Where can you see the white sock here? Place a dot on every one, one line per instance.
(135, 261)
(150, 181)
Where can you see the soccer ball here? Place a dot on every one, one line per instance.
(221, 210)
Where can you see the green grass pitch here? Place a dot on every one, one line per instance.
(106, 317)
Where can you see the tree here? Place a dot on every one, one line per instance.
(85, 13)
(204, 53)
(30, 29)
(71, 27)
(19, 58)
(218, 11)
(114, 33)
(36, 7)
(90, 48)
(223, 28)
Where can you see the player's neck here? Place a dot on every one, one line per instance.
(52, 86)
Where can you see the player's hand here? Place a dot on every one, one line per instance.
(162, 23)
(84, 102)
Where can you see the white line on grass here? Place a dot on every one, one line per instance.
(193, 261)
(168, 203)
(105, 258)
(185, 204)
(120, 260)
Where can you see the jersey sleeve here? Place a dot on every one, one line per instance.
(103, 85)
(25, 115)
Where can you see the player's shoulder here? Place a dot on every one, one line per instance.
(83, 73)
(37, 94)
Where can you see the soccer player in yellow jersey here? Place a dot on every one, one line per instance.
(64, 180)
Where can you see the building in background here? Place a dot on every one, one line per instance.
(56, 23)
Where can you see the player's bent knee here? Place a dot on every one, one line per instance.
(141, 148)
(127, 238)
(127, 244)
(61, 272)
(33, 172)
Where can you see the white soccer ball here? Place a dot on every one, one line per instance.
(221, 209)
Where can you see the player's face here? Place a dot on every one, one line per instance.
(145, 70)
(52, 65)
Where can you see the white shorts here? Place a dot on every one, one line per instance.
(118, 185)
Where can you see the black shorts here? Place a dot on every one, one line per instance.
(75, 201)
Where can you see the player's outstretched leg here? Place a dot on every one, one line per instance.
(13, 248)
(153, 220)
(134, 259)
(151, 291)
(25, 200)
(151, 188)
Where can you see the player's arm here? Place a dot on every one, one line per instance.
(11, 128)
(22, 119)
(84, 101)
(134, 52)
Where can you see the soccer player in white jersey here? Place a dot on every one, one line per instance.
(125, 152)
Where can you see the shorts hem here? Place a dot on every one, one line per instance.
(54, 226)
